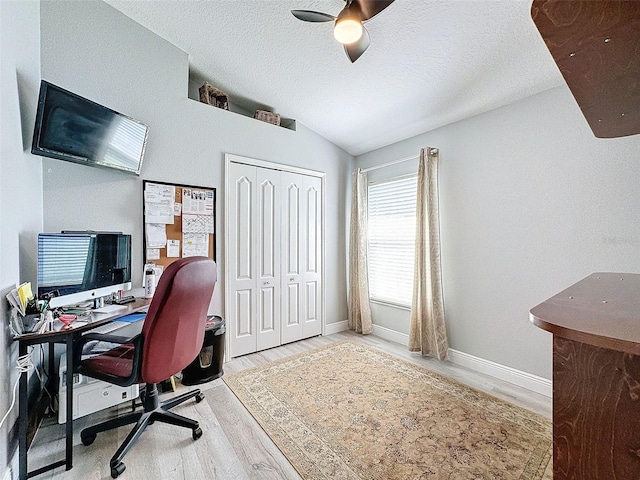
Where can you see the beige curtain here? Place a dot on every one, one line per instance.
(427, 333)
(359, 309)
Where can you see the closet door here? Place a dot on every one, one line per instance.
(311, 279)
(254, 253)
(302, 257)
(242, 254)
(274, 257)
(292, 255)
(268, 249)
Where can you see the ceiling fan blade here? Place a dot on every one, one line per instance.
(370, 8)
(311, 16)
(355, 49)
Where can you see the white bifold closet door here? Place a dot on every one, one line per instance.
(274, 258)
(301, 255)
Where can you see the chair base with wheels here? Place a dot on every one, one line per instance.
(153, 411)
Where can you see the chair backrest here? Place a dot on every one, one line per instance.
(173, 329)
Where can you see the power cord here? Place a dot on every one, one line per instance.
(43, 382)
(24, 364)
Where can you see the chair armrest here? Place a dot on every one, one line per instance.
(123, 381)
(123, 335)
(82, 340)
(107, 337)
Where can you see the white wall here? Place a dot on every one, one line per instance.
(93, 50)
(20, 182)
(531, 202)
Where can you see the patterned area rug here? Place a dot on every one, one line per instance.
(349, 411)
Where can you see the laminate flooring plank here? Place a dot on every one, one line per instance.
(163, 451)
(169, 452)
(49, 445)
(216, 455)
(259, 455)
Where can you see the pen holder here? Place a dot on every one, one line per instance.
(30, 321)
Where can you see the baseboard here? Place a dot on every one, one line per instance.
(336, 327)
(391, 335)
(517, 377)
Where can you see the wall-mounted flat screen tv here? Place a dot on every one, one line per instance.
(73, 128)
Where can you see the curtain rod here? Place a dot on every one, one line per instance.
(393, 162)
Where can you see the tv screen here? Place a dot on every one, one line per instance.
(83, 266)
(70, 127)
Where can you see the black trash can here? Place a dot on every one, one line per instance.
(208, 364)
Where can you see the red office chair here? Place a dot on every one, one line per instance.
(172, 336)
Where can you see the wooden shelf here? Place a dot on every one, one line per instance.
(244, 107)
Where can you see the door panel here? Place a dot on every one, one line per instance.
(292, 307)
(292, 251)
(242, 259)
(311, 299)
(243, 308)
(267, 318)
(292, 224)
(268, 226)
(311, 275)
(268, 239)
(244, 220)
(312, 227)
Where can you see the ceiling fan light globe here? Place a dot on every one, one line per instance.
(347, 30)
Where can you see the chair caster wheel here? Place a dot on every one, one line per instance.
(197, 433)
(199, 397)
(87, 439)
(117, 469)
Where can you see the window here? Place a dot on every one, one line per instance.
(392, 231)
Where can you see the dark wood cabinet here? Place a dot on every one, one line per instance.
(596, 377)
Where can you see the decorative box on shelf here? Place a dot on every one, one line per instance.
(269, 117)
(213, 96)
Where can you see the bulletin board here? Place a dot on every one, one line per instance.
(179, 221)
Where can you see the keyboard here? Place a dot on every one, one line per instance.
(130, 319)
(109, 327)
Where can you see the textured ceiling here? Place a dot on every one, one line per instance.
(430, 63)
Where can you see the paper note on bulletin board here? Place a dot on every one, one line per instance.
(179, 221)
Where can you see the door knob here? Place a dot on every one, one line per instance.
(292, 279)
(267, 283)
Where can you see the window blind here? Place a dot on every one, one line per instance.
(391, 239)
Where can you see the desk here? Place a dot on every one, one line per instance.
(596, 377)
(66, 337)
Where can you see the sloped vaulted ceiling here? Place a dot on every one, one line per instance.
(430, 62)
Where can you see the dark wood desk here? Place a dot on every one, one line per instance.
(596, 377)
(66, 337)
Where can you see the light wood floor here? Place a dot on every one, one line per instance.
(233, 445)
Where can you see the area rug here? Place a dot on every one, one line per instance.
(349, 411)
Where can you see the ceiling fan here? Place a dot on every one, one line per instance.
(348, 25)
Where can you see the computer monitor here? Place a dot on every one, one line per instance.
(82, 266)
